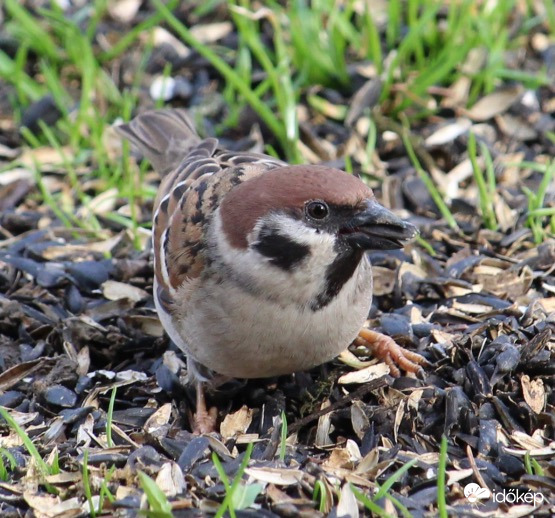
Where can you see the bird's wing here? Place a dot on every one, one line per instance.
(193, 185)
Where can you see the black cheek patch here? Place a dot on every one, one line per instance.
(282, 251)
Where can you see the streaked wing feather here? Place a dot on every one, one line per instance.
(196, 175)
(184, 250)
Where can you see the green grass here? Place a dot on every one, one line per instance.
(329, 24)
(87, 485)
(286, 129)
(536, 210)
(5, 470)
(238, 496)
(428, 182)
(370, 503)
(311, 42)
(532, 466)
(320, 496)
(426, 246)
(105, 493)
(486, 184)
(159, 505)
(66, 53)
(109, 417)
(55, 462)
(43, 467)
(441, 479)
(283, 441)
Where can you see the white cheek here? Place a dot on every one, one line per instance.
(299, 285)
(321, 244)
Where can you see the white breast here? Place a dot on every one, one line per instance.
(251, 319)
(240, 335)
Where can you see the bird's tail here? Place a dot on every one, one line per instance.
(162, 136)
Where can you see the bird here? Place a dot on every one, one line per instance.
(260, 267)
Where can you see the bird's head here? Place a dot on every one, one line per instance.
(305, 225)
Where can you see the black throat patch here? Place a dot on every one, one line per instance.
(282, 251)
(337, 274)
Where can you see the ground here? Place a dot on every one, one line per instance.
(446, 109)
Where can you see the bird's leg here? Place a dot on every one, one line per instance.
(384, 348)
(204, 420)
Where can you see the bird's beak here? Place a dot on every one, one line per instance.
(376, 228)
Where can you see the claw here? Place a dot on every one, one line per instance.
(395, 356)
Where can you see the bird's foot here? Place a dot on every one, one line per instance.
(385, 348)
(205, 422)
(204, 419)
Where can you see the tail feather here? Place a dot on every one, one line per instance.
(162, 136)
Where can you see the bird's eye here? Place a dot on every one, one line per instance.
(317, 209)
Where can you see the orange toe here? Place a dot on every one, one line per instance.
(386, 349)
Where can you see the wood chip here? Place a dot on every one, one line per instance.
(114, 290)
(494, 104)
(15, 374)
(236, 423)
(160, 418)
(365, 375)
(348, 504)
(279, 477)
(170, 479)
(533, 392)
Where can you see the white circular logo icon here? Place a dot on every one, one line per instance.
(474, 492)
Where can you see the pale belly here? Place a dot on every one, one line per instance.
(238, 335)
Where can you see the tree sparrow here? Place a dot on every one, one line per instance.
(260, 266)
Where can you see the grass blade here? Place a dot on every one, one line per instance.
(426, 178)
(227, 72)
(486, 191)
(109, 417)
(87, 484)
(157, 500)
(441, 469)
(283, 442)
(29, 446)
